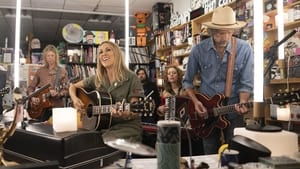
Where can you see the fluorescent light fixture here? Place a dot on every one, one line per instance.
(127, 32)
(280, 28)
(258, 52)
(105, 21)
(17, 45)
(14, 16)
(94, 20)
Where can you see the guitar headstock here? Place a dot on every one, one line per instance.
(145, 106)
(4, 91)
(283, 98)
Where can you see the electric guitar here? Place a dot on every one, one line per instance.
(4, 91)
(203, 126)
(97, 108)
(35, 111)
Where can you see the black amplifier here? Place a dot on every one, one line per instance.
(39, 143)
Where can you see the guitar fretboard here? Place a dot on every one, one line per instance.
(106, 109)
(230, 108)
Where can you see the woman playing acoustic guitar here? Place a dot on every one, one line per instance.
(115, 81)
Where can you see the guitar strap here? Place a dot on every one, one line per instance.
(58, 72)
(230, 69)
(229, 78)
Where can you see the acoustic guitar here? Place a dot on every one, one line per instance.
(35, 111)
(203, 126)
(97, 108)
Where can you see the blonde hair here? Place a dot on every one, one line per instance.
(50, 48)
(119, 65)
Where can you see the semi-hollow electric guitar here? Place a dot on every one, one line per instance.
(203, 126)
(97, 108)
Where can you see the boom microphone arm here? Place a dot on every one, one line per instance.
(272, 56)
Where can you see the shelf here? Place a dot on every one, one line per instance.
(164, 49)
(270, 120)
(197, 22)
(274, 12)
(81, 64)
(182, 55)
(287, 26)
(180, 46)
(180, 26)
(82, 44)
(284, 81)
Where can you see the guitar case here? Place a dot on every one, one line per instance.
(79, 150)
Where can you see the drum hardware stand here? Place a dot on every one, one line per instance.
(130, 148)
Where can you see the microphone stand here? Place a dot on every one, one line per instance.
(272, 56)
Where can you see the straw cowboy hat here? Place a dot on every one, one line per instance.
(224, 18)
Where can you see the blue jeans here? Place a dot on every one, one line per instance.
(212, 143)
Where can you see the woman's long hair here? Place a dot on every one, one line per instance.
(167, 84)
(53, 49)
(120, 68)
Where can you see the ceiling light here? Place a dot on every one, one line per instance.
(14, 16)
(105, 21)
(93, 20)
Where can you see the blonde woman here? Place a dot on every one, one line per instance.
(113, 77)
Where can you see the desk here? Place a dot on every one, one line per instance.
(151, 163)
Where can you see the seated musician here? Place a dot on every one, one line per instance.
(150, 90)
(112, 76)
(50, 73)
(172, 86)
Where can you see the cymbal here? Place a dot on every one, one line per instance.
(135, 148)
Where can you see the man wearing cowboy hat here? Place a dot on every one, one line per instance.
(210, 58)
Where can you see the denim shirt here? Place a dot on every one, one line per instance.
(213, 69)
